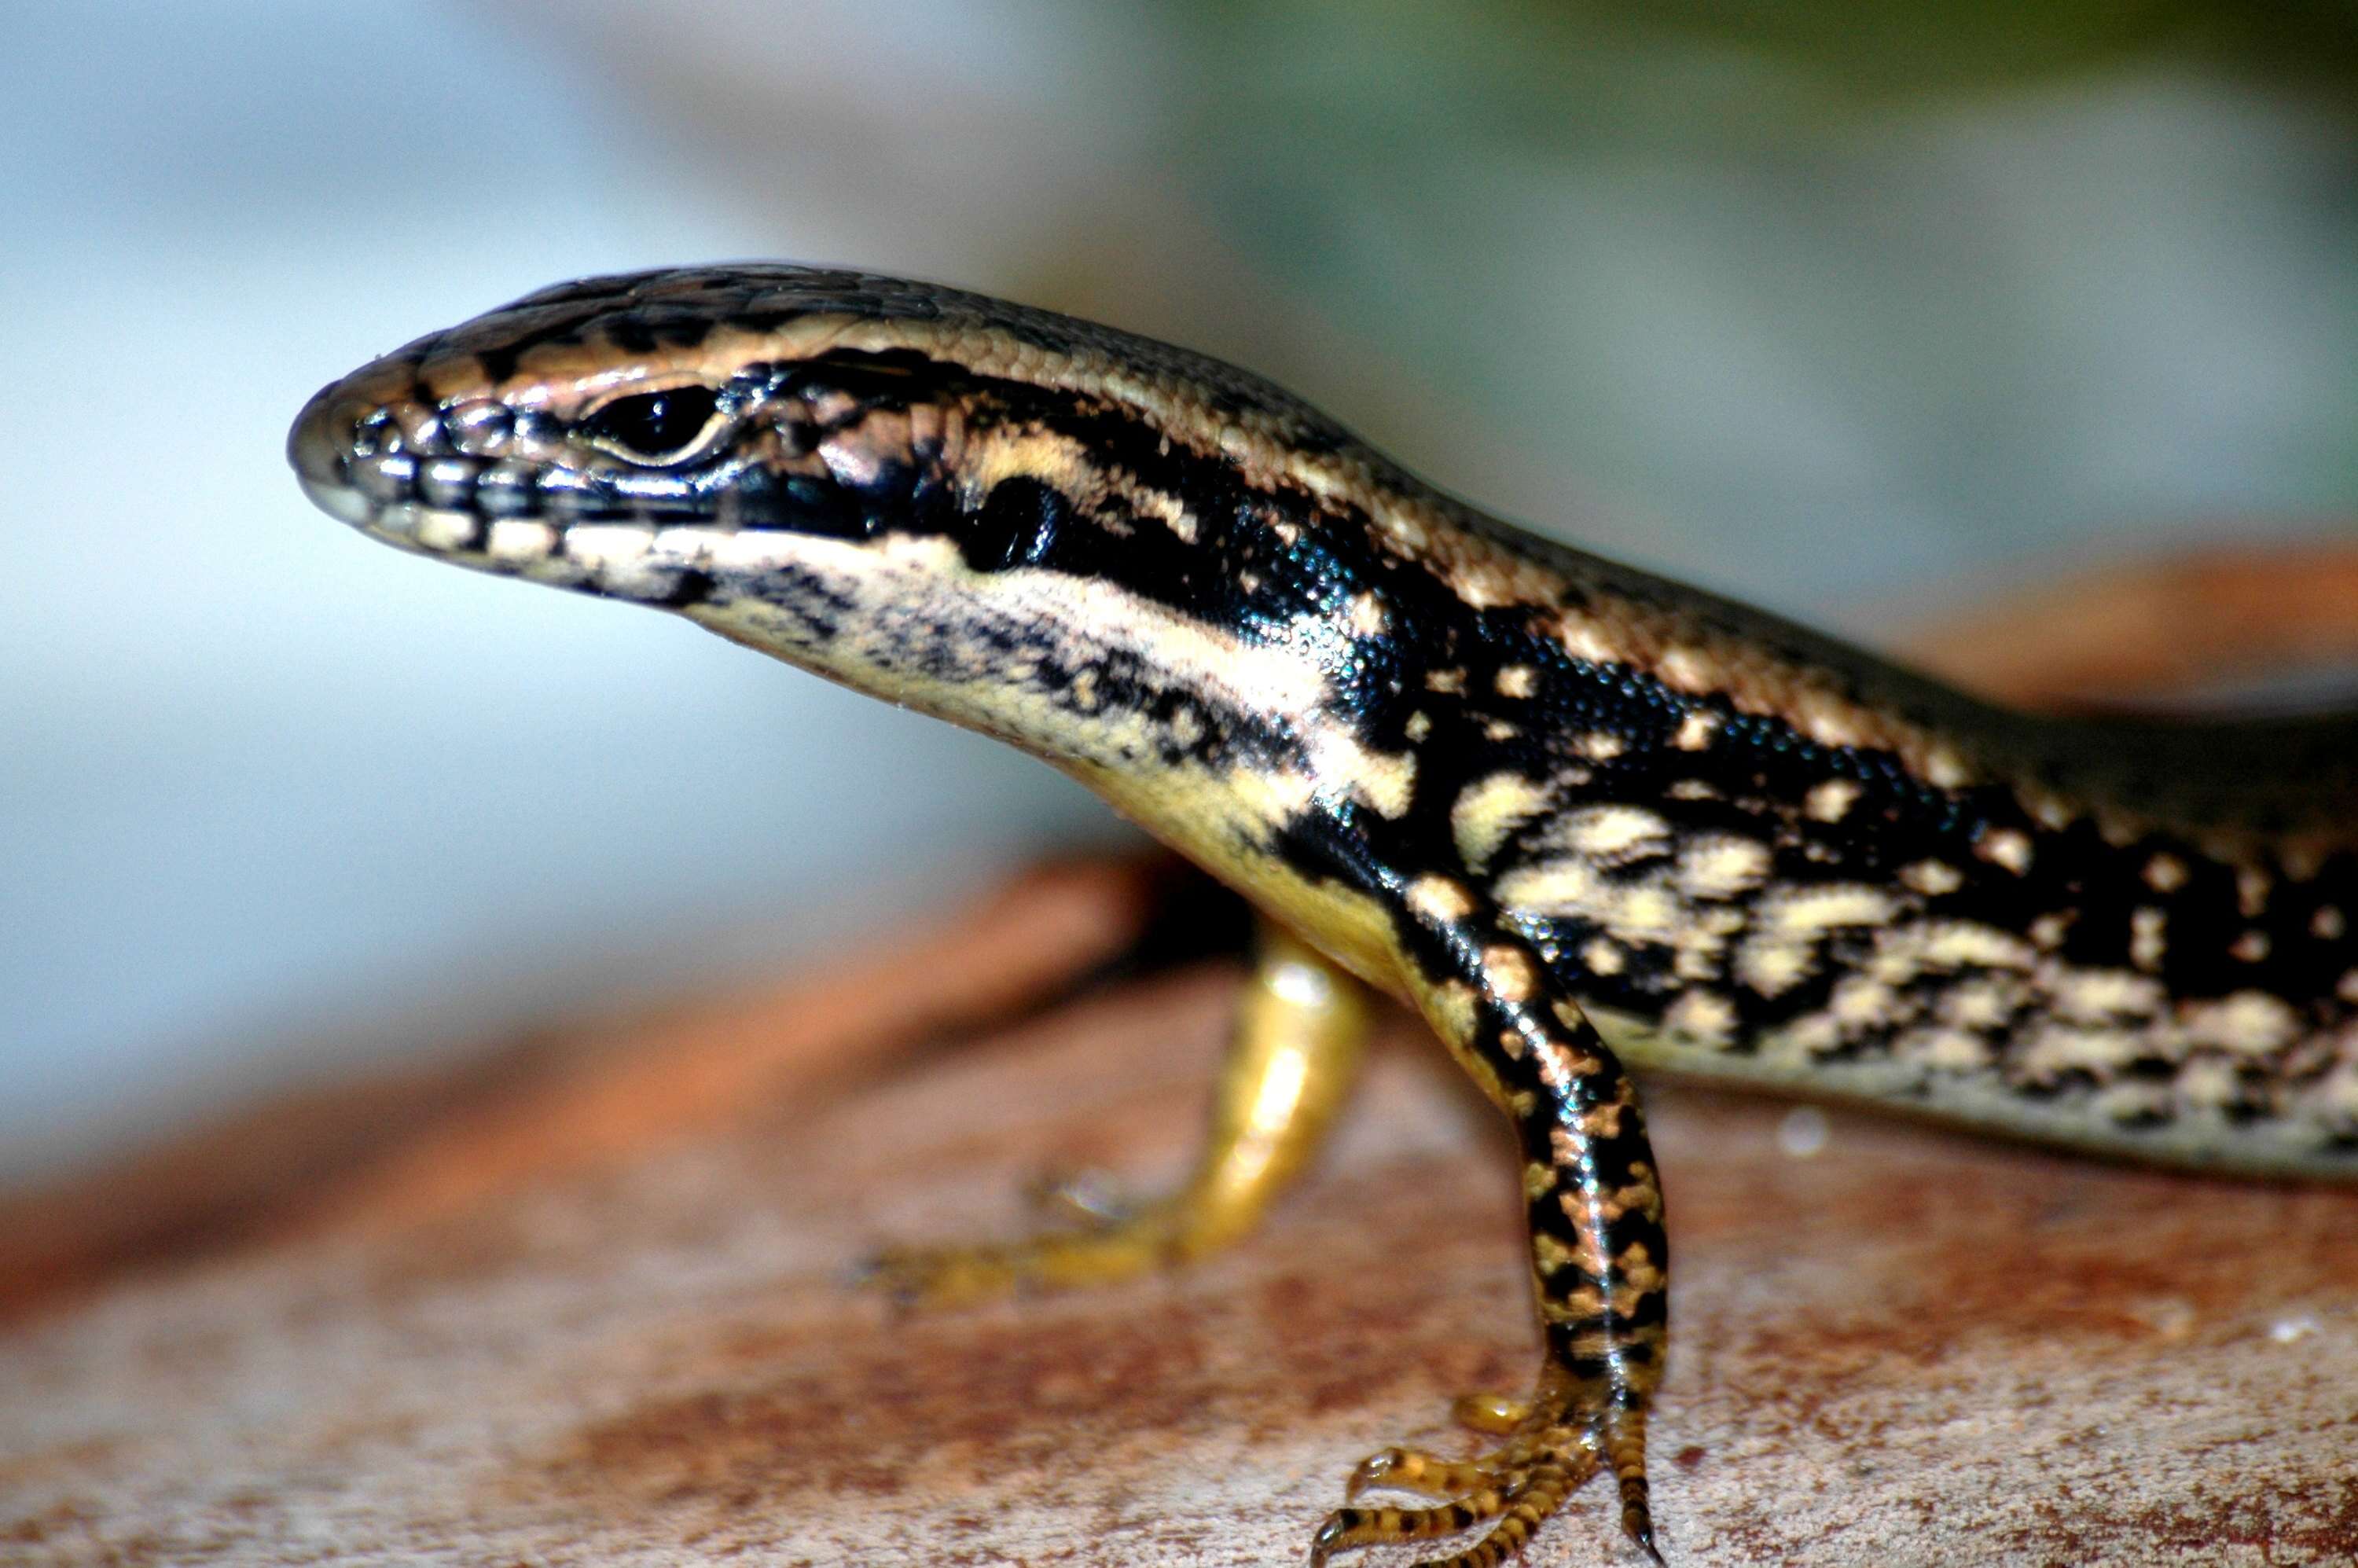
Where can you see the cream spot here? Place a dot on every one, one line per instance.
(1954, 944)
(1811, 1034)
(1499, 730)
(1829, 721)
(1947, 1050)
(1945, 769)
(2328, 924)
(1516, 681)
(2250, 1023)
(1487, 812)
(2165, 873)
(2127, 1103)
(605, 546)
(1383, 780)
(437, 529)
(1831, 801)
(1583, 639)
(1810, 911)
(2055, 816)
(1641, 912)
(1418, 727)
(1695, 731)
(1772, 968)
(2055, 1049)
(1602, 956)
(1688, 669)
(2252, 946)
(1368, 618)
(1692, 789)
(2048, 930)
(2148, 938)
(1616, 834)
(1721, 866)
(1981, 1006)
(1931, 878)
(1701, 1018)
(1600, 745)
(2210, 1084)
(2099, 996)
(2005, 847)
(1452, 681)
(1861, 1003)
(1511, 972)
(1440, 899)
(515, 540)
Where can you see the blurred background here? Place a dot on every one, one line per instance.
(1843, 310)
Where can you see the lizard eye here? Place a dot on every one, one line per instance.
(656, 429)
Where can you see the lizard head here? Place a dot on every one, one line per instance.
(1082, 541)
(637, 436)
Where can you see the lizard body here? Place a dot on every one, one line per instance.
(1573, 814)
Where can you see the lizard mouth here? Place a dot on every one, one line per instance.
(400, 478)
(395, 471)
(474, 484)
(434, 477)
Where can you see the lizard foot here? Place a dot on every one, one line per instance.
(1551, 1448)
(1097, 1251)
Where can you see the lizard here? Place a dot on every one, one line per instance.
(1576, 816)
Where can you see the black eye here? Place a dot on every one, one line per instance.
(654, 426)
(1017, 525)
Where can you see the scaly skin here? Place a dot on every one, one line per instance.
(1550, 802)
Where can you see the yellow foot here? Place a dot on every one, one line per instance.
(1099, 1253)
(1494, 1414)
(1545, 1458)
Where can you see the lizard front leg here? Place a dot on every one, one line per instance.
(1600, 1264)
(1301, 1025)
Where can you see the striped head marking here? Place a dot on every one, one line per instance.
(1043, 529)
(557, 437)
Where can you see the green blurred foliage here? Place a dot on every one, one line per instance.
(1884, 51)
(1545, 65)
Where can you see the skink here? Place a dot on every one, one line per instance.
(1574, 815)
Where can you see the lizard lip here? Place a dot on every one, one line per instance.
(371, 463)
(485, 513)
(318, 448)
(340, 501)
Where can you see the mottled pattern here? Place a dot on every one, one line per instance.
(1519, 787)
